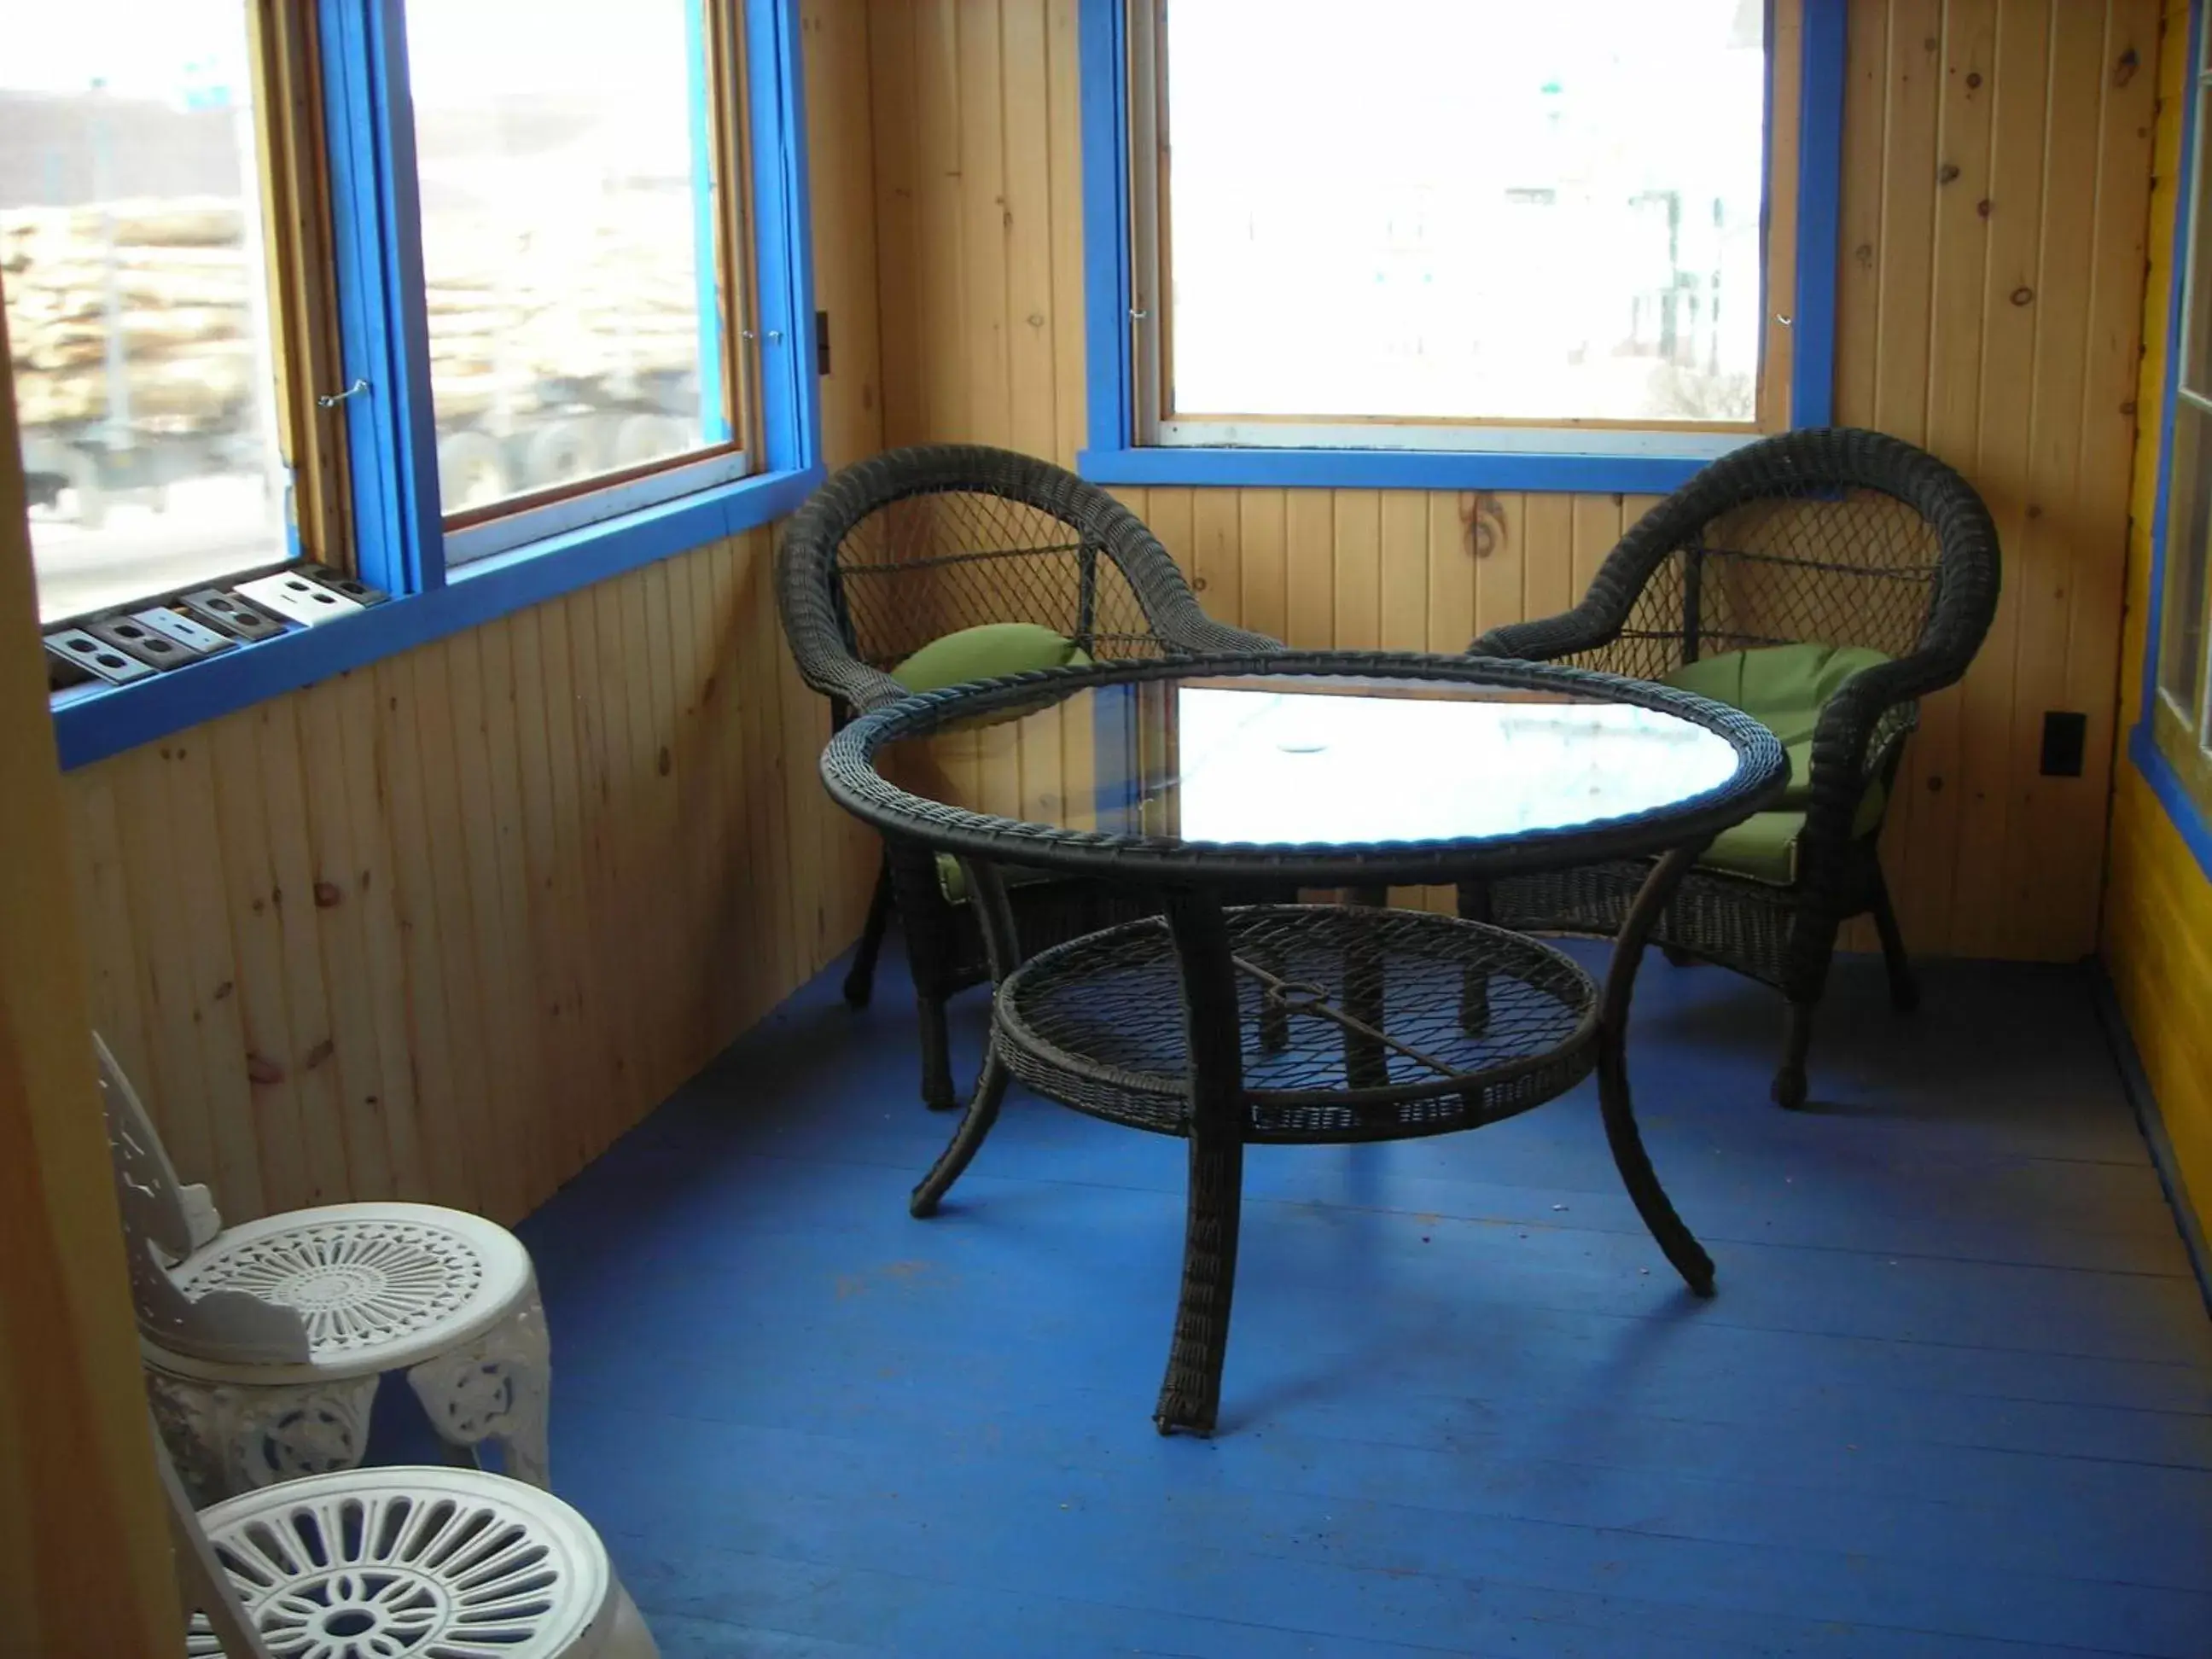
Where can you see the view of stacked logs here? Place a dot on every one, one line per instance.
(175, 274)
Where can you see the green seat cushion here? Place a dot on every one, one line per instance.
(1763, 846)
(989, 652)
(1783, 688)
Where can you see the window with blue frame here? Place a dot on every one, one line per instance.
(145, 252)
(336, 326)
(587, 330)
(1456, 242)
(2175, 743)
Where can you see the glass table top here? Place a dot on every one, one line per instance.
(1322, 758)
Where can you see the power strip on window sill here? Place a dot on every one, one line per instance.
(125, 645)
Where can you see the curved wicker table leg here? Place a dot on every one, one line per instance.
(989, 895)
(1679, 1244)
(1190, 1393)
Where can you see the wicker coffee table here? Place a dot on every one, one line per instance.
(1229, 1025)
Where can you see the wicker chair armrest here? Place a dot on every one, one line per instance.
(855, 685)
(1595, 622)
(1168, 604)
(1843, 760)
(812, 627)
(1544, 640)
(1190, 631)
(1604, 610)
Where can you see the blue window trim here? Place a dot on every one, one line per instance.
(1111, 408)
(706, 225)
(2157, 771)
(383, 324)
(392, 449)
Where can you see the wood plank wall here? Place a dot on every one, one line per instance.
(84, 1550)
(1997, 171)
(443, 927)
(2157, 911)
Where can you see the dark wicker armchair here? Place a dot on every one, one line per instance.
(1835, 537)
(917, 544)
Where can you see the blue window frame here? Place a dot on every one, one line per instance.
(1135, 438)
(401, 543)
(2172, 743)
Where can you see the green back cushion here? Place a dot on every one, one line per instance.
(990, 652)
(1783, 688)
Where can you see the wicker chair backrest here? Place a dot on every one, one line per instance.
(1828, 536)
(927, 565)
(916, 543)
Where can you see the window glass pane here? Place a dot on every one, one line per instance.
(131, 259)
(2188, 524)
(1467, 207)
(2196, 360)
(568, 243)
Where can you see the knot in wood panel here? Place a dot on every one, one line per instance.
(1484, 516)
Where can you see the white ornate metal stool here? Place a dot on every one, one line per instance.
(264, 1344)
(376, 1564)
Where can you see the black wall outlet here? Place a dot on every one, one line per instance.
(2065, 734)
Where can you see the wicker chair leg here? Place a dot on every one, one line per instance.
(1274, 1017)
(1475, 901)
(1679, 1244)
(1190, 1393)
(996, 917)
(1366, 1065)
(1475, 982)
(937, 1090)
(1789, 1088)
(860, 978)
(1904, 986)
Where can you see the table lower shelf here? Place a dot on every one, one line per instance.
(1356, 1024)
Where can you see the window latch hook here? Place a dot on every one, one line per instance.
(332, 399)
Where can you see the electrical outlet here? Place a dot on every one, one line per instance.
(81, 650)
(225, 613)
(134, 638)
(352, 587)
(296, 598)
(2065, 736)
(184, 631)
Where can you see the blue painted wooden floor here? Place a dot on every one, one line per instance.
(1953, 1399)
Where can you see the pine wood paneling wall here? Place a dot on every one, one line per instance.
(2157, 911)
(1997, 161)
(84, 1551)
(443, 927)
